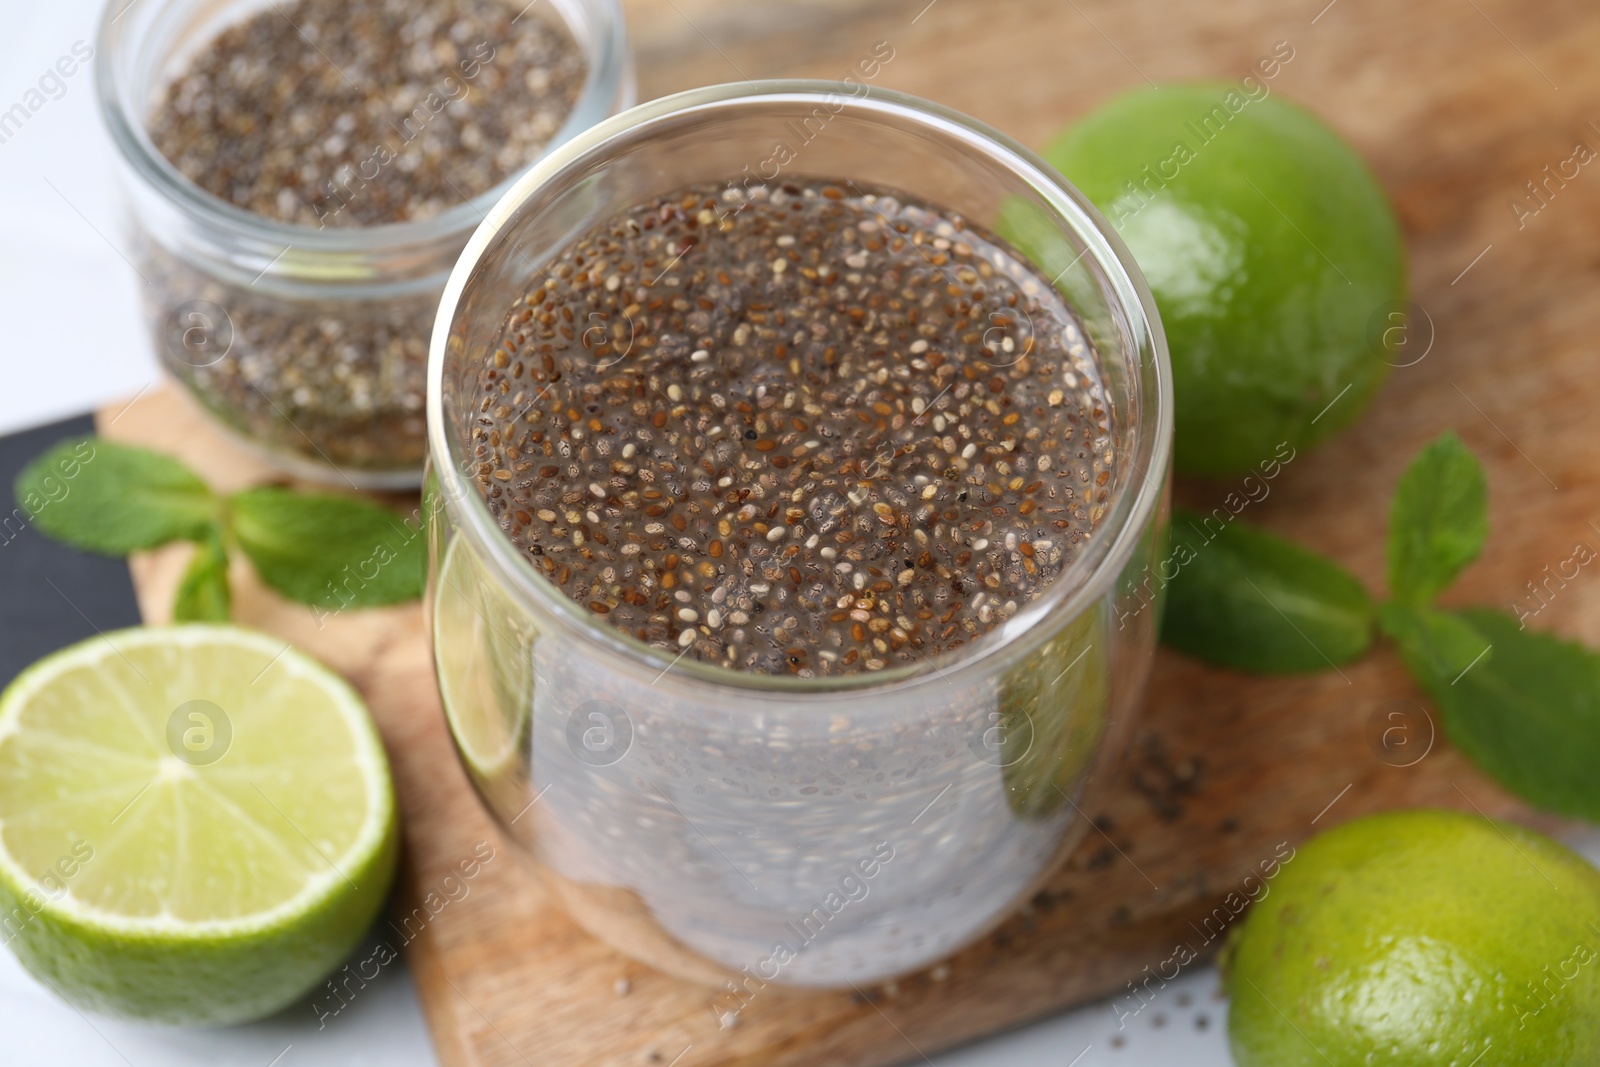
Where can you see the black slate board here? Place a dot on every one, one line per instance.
(50, 595)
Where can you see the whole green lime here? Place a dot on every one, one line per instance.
(1421, 939)
(1274, 258)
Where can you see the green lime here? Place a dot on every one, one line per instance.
(1421, 939)
(1274, 258)
(196, 823)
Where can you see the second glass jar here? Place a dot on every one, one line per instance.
(308, 345)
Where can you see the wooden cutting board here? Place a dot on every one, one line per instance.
(1457, 104)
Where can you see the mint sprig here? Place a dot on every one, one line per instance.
(1256, 602)
(203, 593)
(320, 549)
(330, 551)
(1438, 522)
(1527, 711)
(111, 499)
(1523, 706)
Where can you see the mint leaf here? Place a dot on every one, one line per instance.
(1434, 644)
(1438, 522)
(203, 594)
(108, 498)
(1247, 599)
(1527, 712)
(329, 551)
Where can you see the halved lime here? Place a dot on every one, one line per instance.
(196, 823)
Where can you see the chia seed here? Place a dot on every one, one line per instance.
(330, 381)
(362, 112)
(814, 429)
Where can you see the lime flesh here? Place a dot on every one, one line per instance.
(1421, 939)
(196, 823)
(1274, 258)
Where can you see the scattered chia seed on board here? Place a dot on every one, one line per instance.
(361, 112)
(812, 429)
(346, 113)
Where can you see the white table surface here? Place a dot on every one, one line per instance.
(71, 341)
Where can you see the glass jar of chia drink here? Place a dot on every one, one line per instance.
(797, 454)
(300, 178)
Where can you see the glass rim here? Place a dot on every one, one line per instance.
(607, 58)
(1093, 571)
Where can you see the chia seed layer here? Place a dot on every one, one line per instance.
(813, 429)
(359, 112)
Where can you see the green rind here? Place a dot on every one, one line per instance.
(1409, 939)
(1269, 255)
(199, 980)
